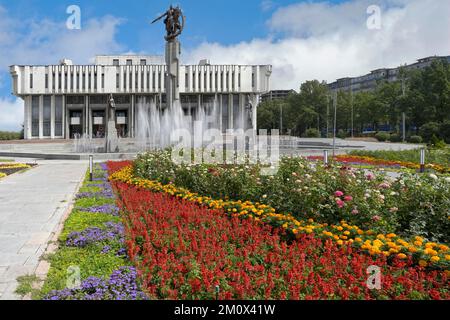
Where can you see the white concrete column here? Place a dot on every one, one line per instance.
(86, 115)
(131, 120)
(27, 117)
(52, 117)
(64, 120)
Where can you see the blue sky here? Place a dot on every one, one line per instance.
(303, 40)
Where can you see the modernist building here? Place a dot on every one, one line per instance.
(369, 81)
(63, 101)
(276, 95)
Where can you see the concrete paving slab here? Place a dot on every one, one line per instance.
(32, 205)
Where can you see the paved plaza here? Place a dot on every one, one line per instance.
(32, 205)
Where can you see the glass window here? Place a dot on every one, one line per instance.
(115, 62)
(46, 81)
(31, 81)
(58, 115)
(225, 113)
(117, 81)
(47, 116)
(143, 62)
(129, 62)
(236, 113)
(35, 116)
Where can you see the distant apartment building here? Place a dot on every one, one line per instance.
(275, 94)
(369, 81)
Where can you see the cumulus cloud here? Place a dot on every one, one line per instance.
(327, 41)
(46, 42)
(12, 114)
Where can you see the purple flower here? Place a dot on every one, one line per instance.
(112, 232)
(107, 209)
(121, 285)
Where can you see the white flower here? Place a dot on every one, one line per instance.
(433, 176)
(264, 196)
(447, 179)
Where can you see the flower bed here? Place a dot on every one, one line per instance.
(185, 251)
(306, 190)
(420, 250)
(7, 169)
(93, 241)
(361, 160)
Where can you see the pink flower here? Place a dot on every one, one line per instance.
(355, 211)
(340, 203)
(348, 198)
(376, 218)
(370, 176)
(338, 193)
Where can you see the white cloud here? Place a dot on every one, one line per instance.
(12, 114)
(327, 41)
(46, 42)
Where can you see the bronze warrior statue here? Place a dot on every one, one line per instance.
(174, 22)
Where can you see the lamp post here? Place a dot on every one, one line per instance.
(422, 160)
(325, 157)
(334, 124)
(91, 167)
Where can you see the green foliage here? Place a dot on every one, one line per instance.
(6, 135)
(27, 285)
(382, 136)
(312, 133)
(428, 130)
(341, 134)
(415, 139)
(395, 137)
(441, 157)
(78, 221)
(424, 98)
(437, 143)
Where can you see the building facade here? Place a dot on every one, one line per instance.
(369, 81)
(276, 95)
(65, 100)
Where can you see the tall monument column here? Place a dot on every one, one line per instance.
(173, 69)
(174, 22)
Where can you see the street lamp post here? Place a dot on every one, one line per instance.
(334, 124)
(91, 167)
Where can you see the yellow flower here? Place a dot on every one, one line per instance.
(391, 235)
(435, 258)
(401, 256)
(346, 233)
(423, 263)
(418, 243)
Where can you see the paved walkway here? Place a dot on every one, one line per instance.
(32, 205)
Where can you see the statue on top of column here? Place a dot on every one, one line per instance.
(174, 22)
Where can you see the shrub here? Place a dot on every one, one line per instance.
(382, 136)
(437, 143)
(445, 130)
(312, 133)
(428, 130)
(6, 135)
(395, 137)
(341, 134)
(415, 139)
